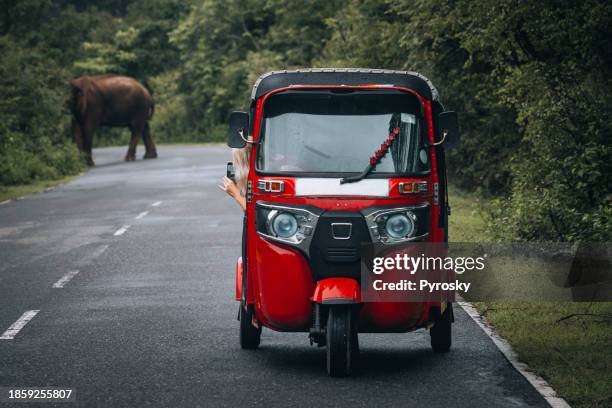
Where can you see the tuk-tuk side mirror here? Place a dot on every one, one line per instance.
(448, 123)
(238, 129)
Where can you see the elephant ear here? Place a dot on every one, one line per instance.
(79, 94)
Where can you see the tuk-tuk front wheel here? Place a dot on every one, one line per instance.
(250, 336)
(341, 339)
(441, 331)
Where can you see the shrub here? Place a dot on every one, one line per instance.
(34, 142)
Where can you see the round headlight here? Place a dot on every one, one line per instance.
(284, 225)
(399, 226)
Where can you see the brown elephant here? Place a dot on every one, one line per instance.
(111, 100)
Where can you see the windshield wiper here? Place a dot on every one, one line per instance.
(374, 160)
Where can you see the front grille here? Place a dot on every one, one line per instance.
(342, 255)
(338, 255)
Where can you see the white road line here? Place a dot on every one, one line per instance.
(91, 256)
(12, 331)
(99, 251)
(5, 202)
(121, 230)
(65, 279)
(142, 215)
(156, 204)
(535, 380)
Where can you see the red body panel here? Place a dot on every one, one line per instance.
(283, 286)
(279, 280)
(239, 271)
(337, 290)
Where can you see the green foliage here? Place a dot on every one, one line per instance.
(364, 33)
(530, 80)
(33, 141)
(556, 81)
(116, 57)
(225, 46)
(138, 44)
(170, 120)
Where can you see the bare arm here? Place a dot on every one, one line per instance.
(232, 190)
(242, 202)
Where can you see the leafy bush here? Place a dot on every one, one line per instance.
(170, 123)
(33, 127)
(557, 82)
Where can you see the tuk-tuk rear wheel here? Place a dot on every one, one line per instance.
(250, 336)
(341, 341)
(441, 331)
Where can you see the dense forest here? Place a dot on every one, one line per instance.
(531, 80)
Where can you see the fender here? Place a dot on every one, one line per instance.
(337, 291)
(239, 279)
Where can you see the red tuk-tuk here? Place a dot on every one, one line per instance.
(339, 158)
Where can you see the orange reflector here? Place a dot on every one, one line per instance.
(271, 186)
(276, 186)
(406, 187)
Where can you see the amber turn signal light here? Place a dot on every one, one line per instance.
(413, 187)
(271, 186)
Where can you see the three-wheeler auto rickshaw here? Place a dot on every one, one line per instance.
(338, 158)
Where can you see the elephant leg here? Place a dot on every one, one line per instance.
(87, 140)
(151, 151)
(77, 133)
(131, 153)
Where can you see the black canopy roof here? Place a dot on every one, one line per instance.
(344, 76)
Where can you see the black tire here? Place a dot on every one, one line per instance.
(250, 336)
(441, 332)
(341, 341)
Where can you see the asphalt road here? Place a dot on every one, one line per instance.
(150, 320)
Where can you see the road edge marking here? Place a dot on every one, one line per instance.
(156, 204)
(16, 327)
(121, 230)
(6, 201)
(65, 279)
(540, 384)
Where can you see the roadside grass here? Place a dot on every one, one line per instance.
(567, 343)
(13, 192)
(466, 223)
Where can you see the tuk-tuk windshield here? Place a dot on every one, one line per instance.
(332, 133)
